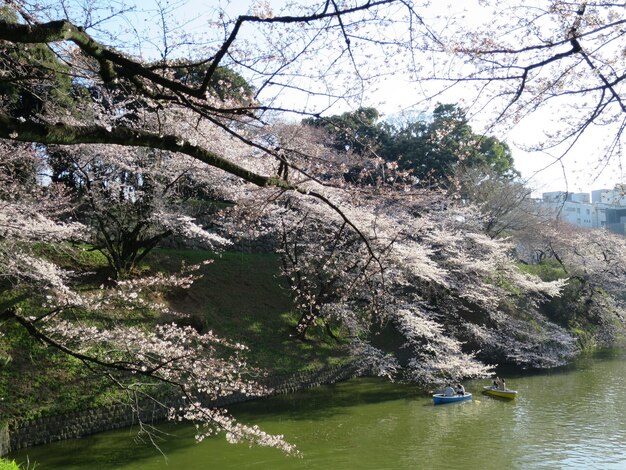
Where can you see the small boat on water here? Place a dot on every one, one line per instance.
(497, 392)
(440, 398)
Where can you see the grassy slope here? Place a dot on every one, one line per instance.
(239, 297)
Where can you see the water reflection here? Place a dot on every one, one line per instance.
(571, 418)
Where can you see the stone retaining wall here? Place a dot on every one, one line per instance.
(83, 423)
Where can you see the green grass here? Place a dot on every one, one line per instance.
(8, 465)
(78, 257)
(550, 270)
(38, 381)
(239, 297)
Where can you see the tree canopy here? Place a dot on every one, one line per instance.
(219, 106)
(357, 131)
(431, 148)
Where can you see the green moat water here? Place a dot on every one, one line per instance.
(570, 418)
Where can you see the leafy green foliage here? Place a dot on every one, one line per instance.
(434, 149)
(224, 83)
(431, 149)
(356, 131)
(34, 78)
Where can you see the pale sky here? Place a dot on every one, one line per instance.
(577, 172)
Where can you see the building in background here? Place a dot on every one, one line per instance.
(607, 208)
(573, 208)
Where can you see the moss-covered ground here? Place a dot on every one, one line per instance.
(238, 296)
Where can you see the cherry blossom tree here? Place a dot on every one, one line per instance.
(593, 262)
(133, 200)
(505, 202)
(169, 365)
(553, 68)
(437, 280)
(367, 257)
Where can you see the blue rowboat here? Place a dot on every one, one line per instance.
(440, 398)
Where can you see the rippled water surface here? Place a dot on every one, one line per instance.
(567, 419)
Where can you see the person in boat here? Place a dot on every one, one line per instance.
(449, 391)
(498, 384)
(460, 389)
